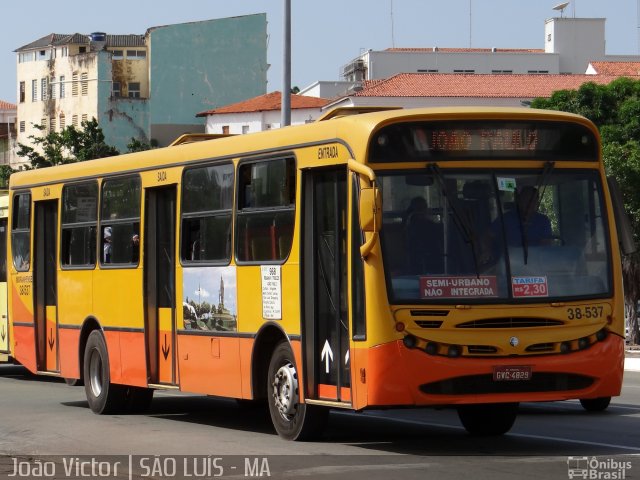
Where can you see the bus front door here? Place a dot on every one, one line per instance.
(326, 312)
(159, 279)
(45, 286)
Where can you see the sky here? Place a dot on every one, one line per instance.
(326, 34)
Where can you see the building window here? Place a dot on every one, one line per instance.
(34, 90)
(245, 129)
(116, 89)
(84, 118)
(82, 50)
(52, 124)
(428, 70)
(65, 52)
(22, 92)
(134, 90)
(500, 72)
(62, 86)
(117, 54)
(43, 123)
(44, 84)
(62, 122)
(74, 85)
(225, 129)
(537, 71)
(22, 126)
(136, 54)
(207, 202)
(79, 225)
(463, 71)
(74, 120)
(84, 84)
(120, 221)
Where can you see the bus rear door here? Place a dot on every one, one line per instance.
(159, 279)
(45, 286)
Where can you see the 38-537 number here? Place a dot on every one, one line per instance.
(578, 313)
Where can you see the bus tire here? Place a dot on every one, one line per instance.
(599, 404)
(488, 419)
(103, 396)
(292, 420)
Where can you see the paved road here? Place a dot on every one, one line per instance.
(41, 418)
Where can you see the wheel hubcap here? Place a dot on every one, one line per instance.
(285, 390)
(95, 373)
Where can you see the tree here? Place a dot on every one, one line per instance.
(67, 146)
(615, 109)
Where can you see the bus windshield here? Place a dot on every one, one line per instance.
(478, 236)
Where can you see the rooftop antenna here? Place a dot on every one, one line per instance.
(393, 37)
(470, 24)
(561, 6)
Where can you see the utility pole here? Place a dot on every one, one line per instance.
(286, 67)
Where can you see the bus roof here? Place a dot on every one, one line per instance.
(353, 130)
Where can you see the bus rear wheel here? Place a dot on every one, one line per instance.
(488, 419)
(292, 420)
(595, 404)
(103, 396)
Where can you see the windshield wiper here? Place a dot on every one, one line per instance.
(529, 208)
(464, 223)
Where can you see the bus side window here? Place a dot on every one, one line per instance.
(120, 221)
(79, 223)
(266, 210)
(207, 199)
(21, 231)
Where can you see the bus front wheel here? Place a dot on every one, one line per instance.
(292, 420)
(595, 404)
(103, 396)
(488, 419)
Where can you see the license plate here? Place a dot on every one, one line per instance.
(510, 373)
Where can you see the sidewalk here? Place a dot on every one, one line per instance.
(632, 359)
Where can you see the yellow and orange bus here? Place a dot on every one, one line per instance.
(463, 257)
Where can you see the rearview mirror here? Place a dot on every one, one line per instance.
(370, 209)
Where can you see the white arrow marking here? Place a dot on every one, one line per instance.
(346, 358)
(327, 355)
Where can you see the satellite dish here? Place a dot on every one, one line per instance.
(560, 7)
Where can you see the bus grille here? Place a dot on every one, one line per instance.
(479, 384)
(510, 323)
(428, 323)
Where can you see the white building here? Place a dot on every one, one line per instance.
(7, 132)
(261, 113)
(570, 44)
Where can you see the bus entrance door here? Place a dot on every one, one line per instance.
(45, 286)
(159, 279)
(326, 312)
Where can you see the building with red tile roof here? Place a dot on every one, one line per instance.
(619, 69)
(261, 113)
(422, 90)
